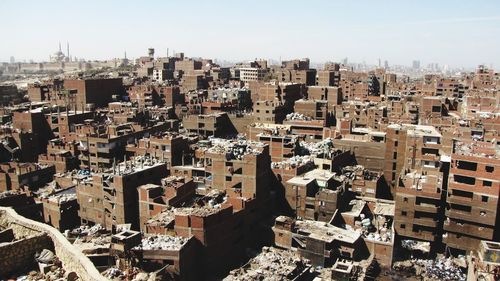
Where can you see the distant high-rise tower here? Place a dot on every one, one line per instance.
(416, 64)
(12, 59)
(67, 50)
(386, 64)
(151, 52)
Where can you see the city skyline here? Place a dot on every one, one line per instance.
(458, 34)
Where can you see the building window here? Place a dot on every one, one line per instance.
(396, 143)
(228, 178)
(403, 226)
(484, 198)
(487, 183)
(395, 155)
(490, 169)
(404, 213)
(405, 199)
(151, 207)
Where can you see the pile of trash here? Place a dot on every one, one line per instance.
(446, 269)
(234, 149)
(63, 198)
(53, 273)
(293, 162)
(132, 273)
(85, 230)
(297, 116)
(315, 148)
(414, 245)
(162, 242)
(271, 264)
(50, 266)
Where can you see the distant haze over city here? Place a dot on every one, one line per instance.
(451, 33)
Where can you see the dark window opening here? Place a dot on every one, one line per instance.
(464, 179)
(466, 165)
(462, 193)
(462, 208)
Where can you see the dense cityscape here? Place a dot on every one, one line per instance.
(170, 166)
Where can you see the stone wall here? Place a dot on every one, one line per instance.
(18, 254)
(72, 258)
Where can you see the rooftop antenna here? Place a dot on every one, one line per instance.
(67, 48)
(125, 54)
(167, 52)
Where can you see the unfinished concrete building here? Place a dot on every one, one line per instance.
(472, 201)
(315, 195)
(111, 198)
(15, 176)
(167, 147)
(419, 208)
(319, 242)
(241, 168)
(412, 147)
(100, 145)
(216, 124)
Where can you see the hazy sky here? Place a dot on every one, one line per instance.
(457, 33)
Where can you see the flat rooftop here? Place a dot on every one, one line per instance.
(326, 232)
(477, 149)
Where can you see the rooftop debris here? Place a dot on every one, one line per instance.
(162, 242)
(297, 116)
(271, 264)
(439, 269)
(293, 162)
(235, 149)
(317, 148)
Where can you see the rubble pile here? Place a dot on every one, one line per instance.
(162, 242)
(297, 116)
(439, 269)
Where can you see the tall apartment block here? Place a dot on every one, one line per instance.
(473, 189)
